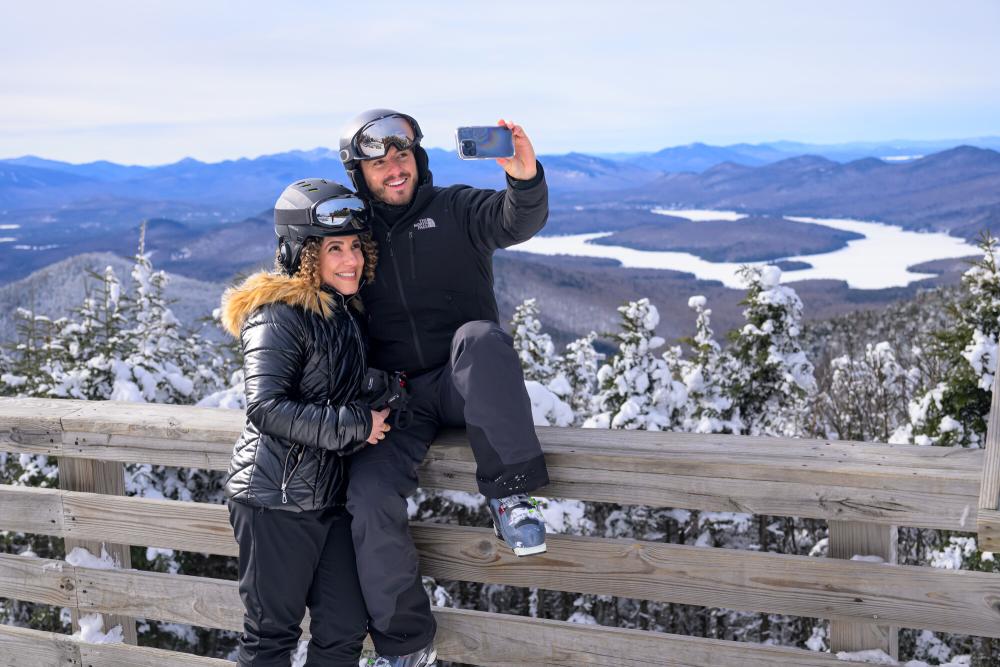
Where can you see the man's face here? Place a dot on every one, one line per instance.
(392, 179)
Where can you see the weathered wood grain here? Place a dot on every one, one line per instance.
(482, 638)
(888, 484)
(213, 603)
(125, 655)
(106, 479)
(846, 540)
(42, 580)
(926, 598)
(27, 509)
(989, 496)
(909, 596)
(474, 637)
(166, 422)
(989, 530)
(24, 647)
(170, 524)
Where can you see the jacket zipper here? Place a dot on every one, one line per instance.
(413, 257)
(286, 478)
(402, 298)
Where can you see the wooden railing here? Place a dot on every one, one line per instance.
(864, 490)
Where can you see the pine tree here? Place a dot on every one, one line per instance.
(865, 399)
(954, 411)
(768, 377)
(575, 378)
(708, 409)
(637, 390)
(534, 348)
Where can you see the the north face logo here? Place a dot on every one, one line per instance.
(424, 223)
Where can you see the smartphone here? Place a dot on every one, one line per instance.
(484, 142)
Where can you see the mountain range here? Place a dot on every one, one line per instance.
(206, 223)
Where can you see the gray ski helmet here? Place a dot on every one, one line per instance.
(354, 147)
(314, 207)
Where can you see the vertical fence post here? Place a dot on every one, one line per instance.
(106, 477)
(988, 515)
(847, 539)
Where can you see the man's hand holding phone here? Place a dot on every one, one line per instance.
(522, 166)
(506, 143)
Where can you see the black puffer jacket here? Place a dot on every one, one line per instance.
(436, 265)
(304, 360)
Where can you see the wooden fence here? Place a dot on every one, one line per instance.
(864, 490)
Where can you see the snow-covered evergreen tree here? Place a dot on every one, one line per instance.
(865, 398)
(708, 409)
(575, 378)
(637, 390)
(534, 348)
(954, 411)
(768, 377)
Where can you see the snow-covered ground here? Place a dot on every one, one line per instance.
(877, 261)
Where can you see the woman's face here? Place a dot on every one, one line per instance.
(341, 263)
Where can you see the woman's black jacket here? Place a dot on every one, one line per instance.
(303, 362)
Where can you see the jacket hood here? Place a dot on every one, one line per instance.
(265, 288)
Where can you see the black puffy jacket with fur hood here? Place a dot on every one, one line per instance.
(304, 360)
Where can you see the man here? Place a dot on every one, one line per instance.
(432, 313)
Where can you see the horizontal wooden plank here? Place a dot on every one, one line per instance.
(169, 524)
(27, 509)
(887, 505)
(23, 647)
(466, 636)
(42, 580)
(482, 638)
(908, 596)
(35, 648)
(166, 422)
(915, 597)
(889, 484)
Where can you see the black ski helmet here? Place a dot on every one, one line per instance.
(314, 207)
(351, 157)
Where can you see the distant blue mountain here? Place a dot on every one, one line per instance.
(244, 187)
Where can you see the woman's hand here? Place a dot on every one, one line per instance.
(379, 426)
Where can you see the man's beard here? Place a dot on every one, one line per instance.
(384, 194)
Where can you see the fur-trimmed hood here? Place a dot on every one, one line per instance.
(263, 288)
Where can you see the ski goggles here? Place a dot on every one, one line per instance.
(376, 138)
(344, 212)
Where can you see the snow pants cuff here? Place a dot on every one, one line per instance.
(516, 478)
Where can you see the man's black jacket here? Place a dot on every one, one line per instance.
(435, 267)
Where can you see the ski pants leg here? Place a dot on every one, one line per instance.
(482, 388)
(288, 561)
(380, 478)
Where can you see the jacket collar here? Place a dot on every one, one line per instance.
(264, 288)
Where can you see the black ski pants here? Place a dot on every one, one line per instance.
(481, 388)
(290, 561)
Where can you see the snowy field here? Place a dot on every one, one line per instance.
(881, 259)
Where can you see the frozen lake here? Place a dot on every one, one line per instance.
(878, 260)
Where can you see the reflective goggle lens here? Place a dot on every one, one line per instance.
(339, 212)
(374, 139)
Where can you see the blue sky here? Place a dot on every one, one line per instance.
(151, 82)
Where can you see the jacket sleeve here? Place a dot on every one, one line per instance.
(499, 219)
(273, 356)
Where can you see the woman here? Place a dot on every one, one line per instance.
(304, 360)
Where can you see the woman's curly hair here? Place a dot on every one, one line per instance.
(309, 259)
